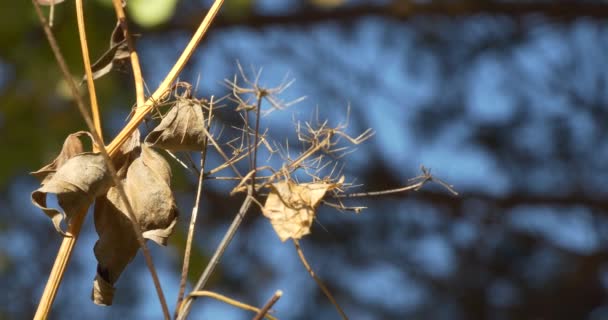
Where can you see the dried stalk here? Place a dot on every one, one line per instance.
(421, 181)
(87, 68)
(188, 249)
(137, 76)
(260, 94)
(319, 282)
(68, 243)
(251, 190)
(219, 252)
(165, 86)
(264, 312)
(217, 296)
(63, 256)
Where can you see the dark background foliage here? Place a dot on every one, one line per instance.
(505, 100)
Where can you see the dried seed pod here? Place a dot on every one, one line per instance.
(76, 184)
(126, 154)
(147, 187)
(181, 129)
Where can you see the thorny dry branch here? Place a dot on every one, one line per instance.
(298, 200)
(290, 204)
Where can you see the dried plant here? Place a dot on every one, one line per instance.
(129, 181)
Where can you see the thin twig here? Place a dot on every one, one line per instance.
(222, 153)
(421, 181)
(230, 301)
(236, 222)
(188, 249)
(137, 76)
(415, 186)
(68, 243)
(319, 282)
(264, 312)
(230, 163)
(87, 67)
(259, 95)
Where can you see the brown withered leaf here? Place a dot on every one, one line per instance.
(76, 184)
(182, 128)
(116, 247)
(291, 207)
(116, 55)
(147, 186)
(71, 147)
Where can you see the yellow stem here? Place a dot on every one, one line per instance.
(164, 87)
(68, 243)
(61, 262)
(137, 75)
(230, 301)
(87, 68)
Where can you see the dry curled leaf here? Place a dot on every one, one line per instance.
(71, 146)
(291, 207)
(147, 187)
(76, 184)
(182, 128)
(117, 54)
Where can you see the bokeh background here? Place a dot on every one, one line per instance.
(506, 100)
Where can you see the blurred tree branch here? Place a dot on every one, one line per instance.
(563, 11)
(509, 201)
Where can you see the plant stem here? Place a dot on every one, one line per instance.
(82, 35)
(188, 249)
(258, 115)
(143, 110)
(137, 76)
(236, 222)
(58, 270)
(263, 312)
(68, 243)
(232, 302)
(319, 282)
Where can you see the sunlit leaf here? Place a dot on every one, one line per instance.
(291, 207)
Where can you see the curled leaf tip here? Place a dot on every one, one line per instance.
(76, 184)
(72, 146)
(116, 56)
